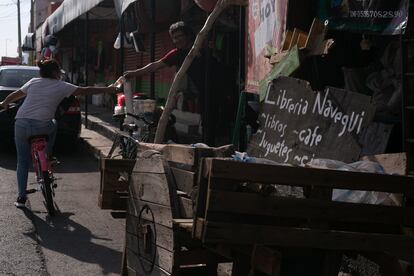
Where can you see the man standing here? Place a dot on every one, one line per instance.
(182, 37)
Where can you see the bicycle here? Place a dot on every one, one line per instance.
(144, 132)
(42, 167)
(128, 144)
(43, 170)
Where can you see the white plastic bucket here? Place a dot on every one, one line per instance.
(138, 106)
(97, 99)
(149, 105)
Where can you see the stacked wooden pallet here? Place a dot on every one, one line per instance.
(230, 213)
(113, 191)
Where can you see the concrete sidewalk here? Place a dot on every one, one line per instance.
(101, 130)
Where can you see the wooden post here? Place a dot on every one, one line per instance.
(220, 6)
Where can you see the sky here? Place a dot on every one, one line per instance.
(8, 25)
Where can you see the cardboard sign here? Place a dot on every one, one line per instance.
(266, 21)
(374, 16)
(298, 124)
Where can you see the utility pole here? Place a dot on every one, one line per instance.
(32, 30)
(19, 31)
(152, 53)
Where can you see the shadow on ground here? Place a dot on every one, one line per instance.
(69, 153)
(63, 235)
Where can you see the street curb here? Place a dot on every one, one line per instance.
(86, 145)
(98, 137)
(100, 126)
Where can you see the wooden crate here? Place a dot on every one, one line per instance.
(113, 191)
(183, 162)
(229, 213)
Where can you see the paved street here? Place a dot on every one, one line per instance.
(81, 240)
(20, 252)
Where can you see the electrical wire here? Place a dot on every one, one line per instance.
(7, 5)
(14, 3)
(2, 18)
(12, 14)
(8, 9)
(7, 15)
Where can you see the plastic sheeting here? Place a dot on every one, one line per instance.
(28, 43)
(122, 5)
(69, 10)
(355, 196)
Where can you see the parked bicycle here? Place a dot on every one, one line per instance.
(128, 144)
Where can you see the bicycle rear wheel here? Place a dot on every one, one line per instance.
(47, 193)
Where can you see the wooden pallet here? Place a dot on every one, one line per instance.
(229, 213)
(113, 191)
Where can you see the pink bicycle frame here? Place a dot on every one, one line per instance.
(39, 146)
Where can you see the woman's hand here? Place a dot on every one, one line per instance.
(119, 82)
(4, 105)
(128, 74)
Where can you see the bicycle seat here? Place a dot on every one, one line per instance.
(41, 136)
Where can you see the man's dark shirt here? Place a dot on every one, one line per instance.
(196, 70)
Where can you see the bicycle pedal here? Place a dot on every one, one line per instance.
(31, 191)
(54, 163)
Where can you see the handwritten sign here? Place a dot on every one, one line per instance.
(298, 124)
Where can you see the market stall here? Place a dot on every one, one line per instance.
(322, 187)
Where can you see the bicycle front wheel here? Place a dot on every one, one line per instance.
(47, 193)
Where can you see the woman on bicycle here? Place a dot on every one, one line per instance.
(36, 115)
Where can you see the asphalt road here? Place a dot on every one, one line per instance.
(80, 240)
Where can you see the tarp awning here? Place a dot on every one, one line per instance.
(28, 43)
(122, 5)
(68, 11)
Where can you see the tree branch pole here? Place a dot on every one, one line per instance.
(220, 6)
(19, 32)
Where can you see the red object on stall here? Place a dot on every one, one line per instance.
(207, 5)
(120, 98)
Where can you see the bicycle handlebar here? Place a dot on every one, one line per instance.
(140, 117)
(10, 106)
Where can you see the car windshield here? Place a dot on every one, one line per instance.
(17, 77)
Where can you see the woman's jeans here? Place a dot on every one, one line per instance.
(23, 129)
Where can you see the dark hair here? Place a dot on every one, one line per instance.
(180, 26)
(49, 68)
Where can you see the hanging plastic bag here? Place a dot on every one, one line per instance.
(117, 43)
